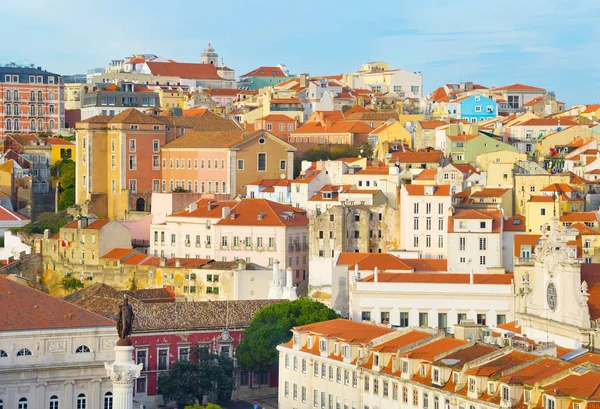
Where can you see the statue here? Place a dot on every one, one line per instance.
(125, 322)
(584, 287)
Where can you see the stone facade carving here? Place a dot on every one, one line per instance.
(123, 374)
(56, 346)
(23, 389)
(108, 343)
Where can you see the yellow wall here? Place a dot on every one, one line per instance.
(524, 183)
(55, 153)
(167, 100)
(500, 174)
(484, 159)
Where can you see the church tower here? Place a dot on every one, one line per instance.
(209, 56)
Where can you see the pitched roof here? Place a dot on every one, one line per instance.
(95, 225)
(518, 87)
(548, 122)
(429, 351)
(26, 309)
(541, 199)
(133, 116)
(403, 340)
(368, 261)
(57, 141)
(372, 116)
(24, 139)
(525, 240)
(490, 192)
(184, 70)
(579, 217)
(9, 215)
(262, 212)
(206, 208)
(515, 223)
(463, 138)
(582, 386)
(276, 117)
(498, 365)
(427, 174)
(117, 253)
(265, 72)
(433, 156)
(346, 330)
(209, 140)
(206, 121)
(537, 371)
(457, 359)
(98, 119)
(419, 190)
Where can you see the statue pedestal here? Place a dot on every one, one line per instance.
(122, 373)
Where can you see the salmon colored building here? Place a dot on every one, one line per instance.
(279, 125)
(31, 101)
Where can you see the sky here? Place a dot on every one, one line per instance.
(546, 43)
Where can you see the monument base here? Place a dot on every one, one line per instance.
(122, 373)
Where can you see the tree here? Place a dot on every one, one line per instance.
(133, 284)
(180, 189)
(65, 171)
(70, 283)
(209, 406)
(46, 220)
(204, 375)
(271, 326)
(319, 153)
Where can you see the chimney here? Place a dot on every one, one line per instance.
(469, 86)
(241, 264)
(276, 272)
(177, 262)
(289, 281)
(375, 275)
(303, 80)
(82, 223)
(162, 262)
(47, 234)
(225, 212)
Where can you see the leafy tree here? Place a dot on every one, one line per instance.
(46, 220)
(70, 283)
(271, 326)
(318, 153)
(133, 284)
(65, 171)
(209, 406)
(180, 189)
(204, 375)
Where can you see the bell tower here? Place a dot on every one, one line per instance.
(209, 56)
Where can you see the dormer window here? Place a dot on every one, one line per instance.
(296, 340)
(491, 388)
(323, 345)
(405, 367)
(336, 349)
(471, 384)
(310, 342)
(455, 378)
(346, 351)
(435, 375)
(526, 396)
(376, 360)
(549, 402)
(505, 393)
(423, 370)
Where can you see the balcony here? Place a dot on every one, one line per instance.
(224, 247)
(187, 244)
(198, 244)
(524, 261)
(207, 245)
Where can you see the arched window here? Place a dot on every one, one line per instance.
(1, 404)
(108, 400)
(40, 124)
(16, 94)
(51, 107)
(3, 354)
(8, 125)
(32, 110)
(22, 403)
(32, 95)
(32, 125)
(16, 124)
(8, 94)
(82, 349)
(16, 109)
(81, 401)
(53, 402)
(24, 352)
(40, 96)
(52, 124)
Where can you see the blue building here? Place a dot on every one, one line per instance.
(473, 108)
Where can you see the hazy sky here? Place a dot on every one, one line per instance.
(546, 43)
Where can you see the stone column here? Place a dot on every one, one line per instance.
(96, 398)
(122, 373)
(69, 399)
(41, 394)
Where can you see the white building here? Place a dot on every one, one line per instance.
(475, 240)
(424, 212)
(275, 190)
(52, 353)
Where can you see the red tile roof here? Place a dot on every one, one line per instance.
(510, 326)
(458, 358)
(265, 72)
(206, 208)
(490, 192)
(518, 87)
(368, 261)
(515, 223)
(346, 330)
(184, 70)
(57, 141)
(525, 240)
(427, 174)
(582, 386)
(574, 217)
(403, 340)
(26, 309)
(262, 212)
(433, 156)
(428, 352)
(8, 215)
(95, 225)
(117, 253)
(537, 371)
(419, 190)
(501, 364)
(548, 122)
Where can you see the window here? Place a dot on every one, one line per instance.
(262, 162)
(542, 212)
(132, 162)
(163, 359)
(108, 400)
(282, 164)
(3, 354)
(376, 386)
(482, 243)
(481, 318)
(461, 317)
(415, 223)
(415, 241)
(482, 260)
(331, 373)
(141, 356)
(462, 243)
(82, 349)
(440, 241)
(22, 403)
(24, 352)
(132, 145)
(140, 385)
(403, 319)
(53, 402)
(367, 383)
(385, 317)
(423, 319)
(505, 393)
(416, 208)
(184, 353)
(81, 401)
(513, 102)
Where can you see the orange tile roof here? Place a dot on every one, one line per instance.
(441, 278)
(184, 70)
(427, 174)
(117, 253)
(285, 101)
(548, 122)
(585, 230)
(591, 108)
(518, 87)
(426, 264)
(458, 358)
(497, 366)
(276, 117)
(525, 240)
(515, 223)
(135, 259)
(27, 309)
(368, 261)
(206, 208)
(419, 190)
(558, 187)
(494, 215)
(491, 192)
(57, 141)
(465, 168)
(265, 72)
(403, 340)
(9, 215)
(262, 212)
(587, 357)
(133, 116)
(356, 109)
(346, 330)
(95, 225)
(433, 156)
(541, 199)
(462, 138)
(582, 386)
(511, 327)
(373, 170)
(428, 352)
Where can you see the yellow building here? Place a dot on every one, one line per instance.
(530, 184)
(171, 98)
(559, 140)
(500, 174)
(61, 149)
(387, 133)
(555, 200)
(588, 243)
(483, 160)
(74, 94)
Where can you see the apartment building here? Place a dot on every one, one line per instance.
(31, 100)
(113, 99)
